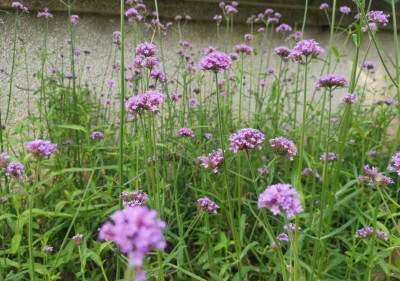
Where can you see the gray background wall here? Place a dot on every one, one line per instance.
(100, 18)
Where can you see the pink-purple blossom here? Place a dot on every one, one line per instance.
(283, 28)
(369, 231)
(48, 249)
(96, 135)
(283, 237)
(331, 82)
(306, 49)
(374, 178)
(20, 6)
(369, 65)
(4, 160)
(280, 198)
(349, 98)
(41, 148)
(75, 19)
(134, 198)
(344, 10)
(331, 157)
(243, 49)
(244, 139)
(213, 161)
(185, 132)
(15, 169)
(215, 61)
(45, 14)
(206, 205)
(283, 147)
(396, 163)
(149, 101)
(307, 172)
(324, 6)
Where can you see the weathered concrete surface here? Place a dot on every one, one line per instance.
(100, 18)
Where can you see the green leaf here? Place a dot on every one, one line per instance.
(247, 248)
(73, 127)
(15, 242)
(340, 229)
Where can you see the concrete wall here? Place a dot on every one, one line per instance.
(100, 18)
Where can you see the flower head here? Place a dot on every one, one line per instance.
(247, 138)
(369, 65)
(332, 82)
(213, 161)
(149, 101)
(345, 10)
(367, 232)
(97, 134)
(4, 160)
(146, 49)
(78, 238)
(41, 148)
(283, 52)
(45, 14)
(206, 205)
(133, 199)
(283, 28)
(243, 49)
(248, 37)
(295, 36)
(215, 61)
(75, 19)
(264, 171)
(331, 157)
(374, 178)
(310, 172)
(306, 49)
(136, 230)
(47, 249)
(349, 98)
(283, 237)
(378, 17)
(185, 132)
(15, 169)
(132, 14)
(280, 198)
(396, 163)
(291, 227)
(284, 147)
(20, 6)
(324, 6)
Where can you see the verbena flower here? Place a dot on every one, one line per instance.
(149, 101)
(349, 98)
(208, 136)
(396, 163)
(324, 6)
(218, 18)
(133, 14)
(146, 49)
(216, 62)
(47, 249)
(331, 157)
(283, 51)
(283, 237)
(270, 70)
(272, 20)
(230, 10)
(283, 147)
(295, 36)
(4, 160)
(97, 134)
(373, 153)
(345, 10)
(75, 19)
(373, 178)
(280, 198)
(243, 49)
(136, 231)
(389, 101)
(175, 97)
(78, 239)
(264, 171)
(15, 169)
(3, 199)
(213, 161)
(244, 139)
(206, 205)
(185, 132)
(335, 120)
(45, 14)
(378, 17)
(248, 37)
(332, 82)
(18, 5)
(194, 102)
(369, 231)
(369, 65)
(291, 227)
(134, 198)
(310, 172)
(306, 49)
(41, 148)
(283, 28)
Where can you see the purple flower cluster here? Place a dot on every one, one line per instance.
(134, 199)
(373, 153)
(208, 136)
(349, 98)
(291, 227)
(97, 134)
(374, 178)
(41, 148)
(133, 14)
(324, 6)
(306, 49)
(369, 231)
(283, 237)
(137, 231)
(248, 37)
(247, 138)
(78, 239)
(280, 198)
(378, 17)
(75, 19)
(264, 171)
(4, 160)
(345, 10)
(146, 49)
(213, 161)
(193, 102)
(243, 49)
(47, 249)
(395, 161)
(149, 101)
(283, 28)
(307, 172)
(215, 61)
(331, 82)
(283, 51)
(283, 147)
(331, 157)
(369, 65)
(20, 6)
(185, 132)
(206, 205)
(15, 169)
(295, 36)
(45, 14)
